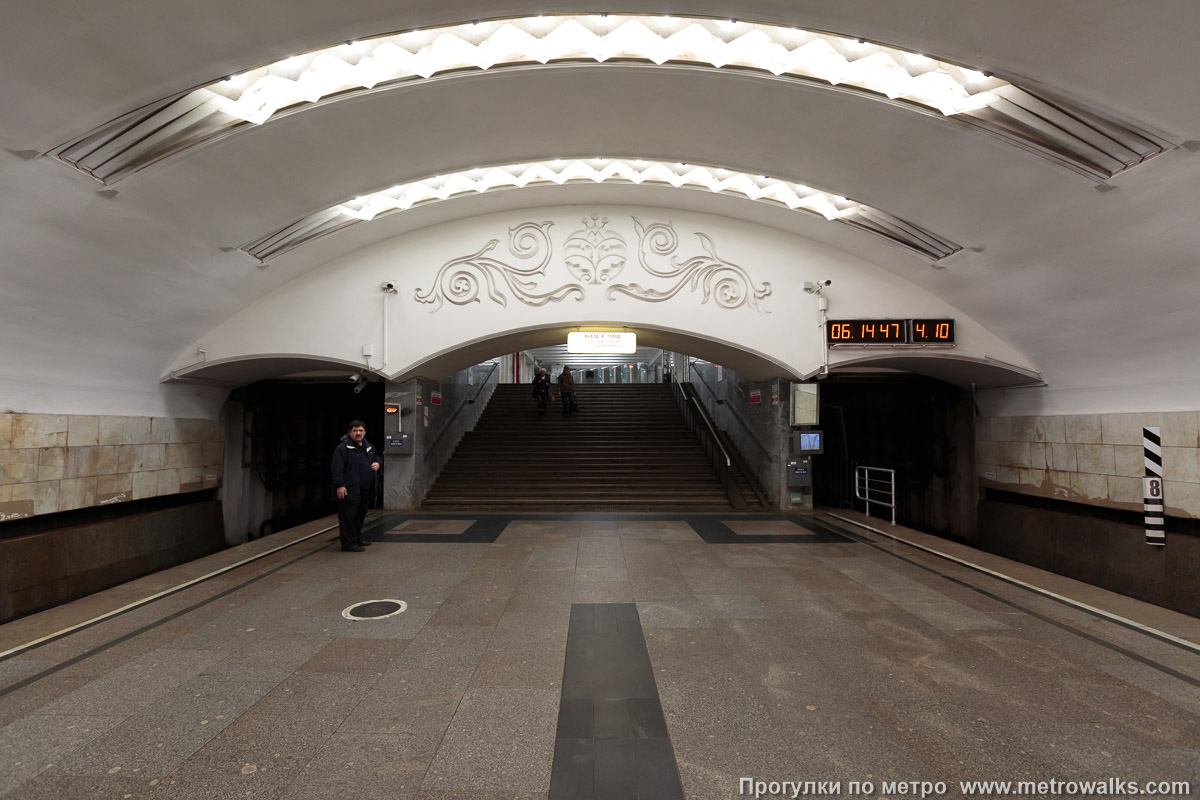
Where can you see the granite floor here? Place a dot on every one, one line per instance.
(783, 648)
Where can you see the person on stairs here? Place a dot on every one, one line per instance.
(541, 391)
(355, 463)
(566, 387)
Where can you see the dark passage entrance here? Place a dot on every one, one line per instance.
(922, 428)
(290, 430)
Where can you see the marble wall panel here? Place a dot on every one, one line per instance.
(1062, 457)
(1179, 429)
(168, 481)
(1122, 428)
(52, 463)
(76, 493)
(129, 458)
(124, 430)
(22, 466)
(1090, 458)
(38, 430)
(1130, 460)
(1179, 464)
(1014, 454)
(1097, 459)
(1037, 455)
(43, 494)
(145, 484)
(73, 461)
(83, 431)
(1182, 499)
(1084, 429)
(1125, 490)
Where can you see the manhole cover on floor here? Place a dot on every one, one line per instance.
(375, 609)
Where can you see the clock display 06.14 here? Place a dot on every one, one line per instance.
(889, 331)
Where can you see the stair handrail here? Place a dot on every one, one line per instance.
(458, 409)
(733, 453)
(710, 442)
(738, 417)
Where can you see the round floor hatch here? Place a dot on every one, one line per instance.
(375, 609)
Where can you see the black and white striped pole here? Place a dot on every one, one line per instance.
(1152, 488)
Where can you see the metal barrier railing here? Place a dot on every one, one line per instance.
(878, 490)
(697, 423)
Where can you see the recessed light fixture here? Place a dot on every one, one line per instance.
(1049, 126)
(781, 193)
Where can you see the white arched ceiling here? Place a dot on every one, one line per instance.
(101, 290)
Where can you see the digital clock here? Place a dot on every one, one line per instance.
(932, 331)
(889, 332)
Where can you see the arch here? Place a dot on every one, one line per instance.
(723, 289)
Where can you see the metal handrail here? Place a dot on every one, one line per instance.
(458, 409)
(736, 416)
(863, 481)
(716, 439)
(710, 442)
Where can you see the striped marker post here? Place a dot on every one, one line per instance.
(1152, 488)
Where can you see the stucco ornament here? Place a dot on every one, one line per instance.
(595, 254)
(460, 280)
(728, 284)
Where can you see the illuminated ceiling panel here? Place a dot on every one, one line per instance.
(794, 196)
(1063, 132)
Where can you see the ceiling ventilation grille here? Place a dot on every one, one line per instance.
(794, 196)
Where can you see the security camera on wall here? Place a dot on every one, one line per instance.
(391, 287)
(355, 378)
(815, 287)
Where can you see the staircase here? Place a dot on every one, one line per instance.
(627, 449)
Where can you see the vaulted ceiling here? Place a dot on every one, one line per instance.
(1090, 271)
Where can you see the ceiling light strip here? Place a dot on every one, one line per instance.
(255, 96)
(794, 196)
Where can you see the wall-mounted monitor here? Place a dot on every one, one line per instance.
(808, 443)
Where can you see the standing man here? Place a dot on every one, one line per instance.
(541, 391)
(566, 386)
(355, 463)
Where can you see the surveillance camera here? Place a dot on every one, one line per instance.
(355, 378)
(815, 288)
(824, 283)
(359, 387)
(389, 286)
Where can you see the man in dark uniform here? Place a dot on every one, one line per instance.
(355, 463)
(541, 391)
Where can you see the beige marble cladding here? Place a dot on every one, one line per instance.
(59, 462)
(1095, 459)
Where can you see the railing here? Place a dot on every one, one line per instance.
(697, 422)
(736, 416)
(881, 491)
(458, 410)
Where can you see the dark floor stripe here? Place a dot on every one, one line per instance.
(612, 739)
(485, 530)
